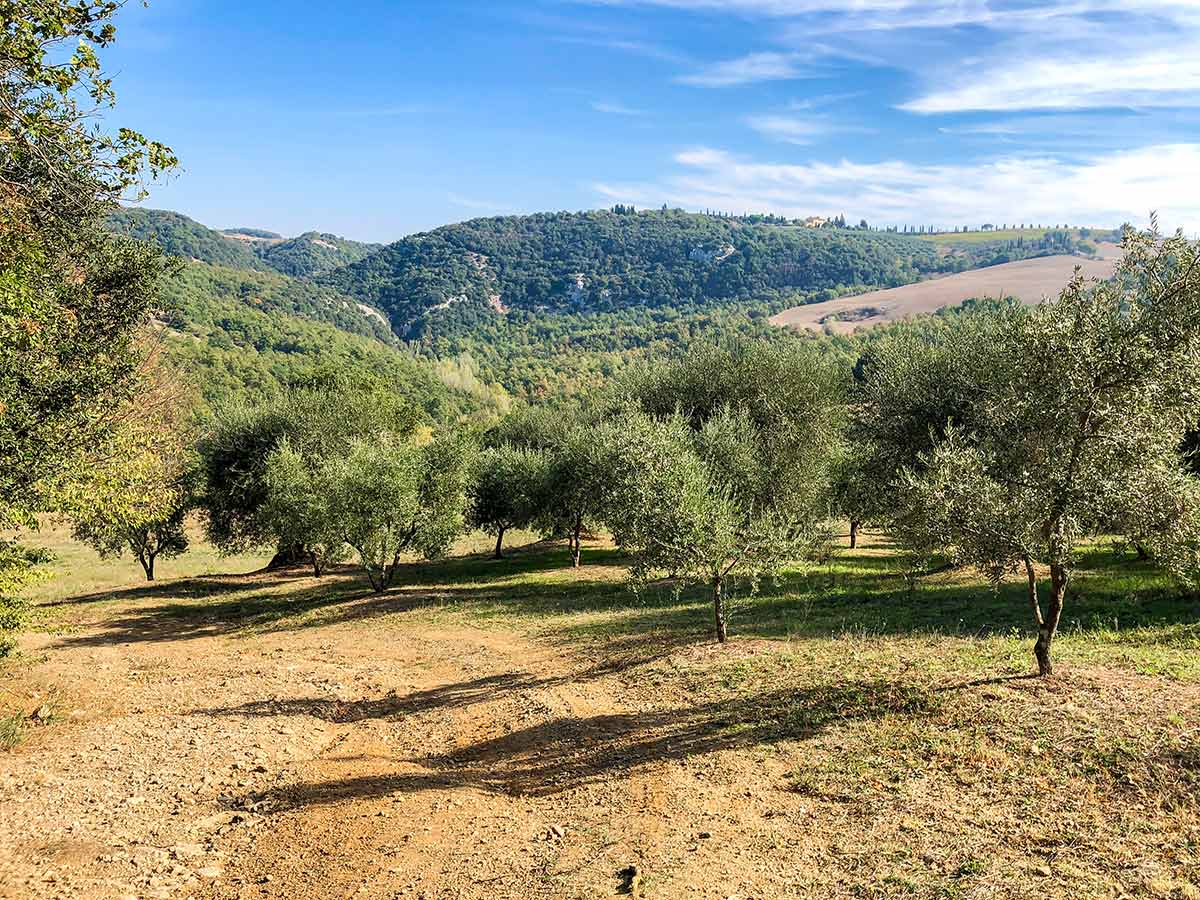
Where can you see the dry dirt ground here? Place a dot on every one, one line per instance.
(1029, 280)
(402, 748)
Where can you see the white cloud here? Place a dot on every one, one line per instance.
(767, 66)
(1098, 190)
(924, 13)
(1021, 54)
(797, 130)
(1153, 79)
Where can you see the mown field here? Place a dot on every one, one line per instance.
(518, 728)
(1028, 280)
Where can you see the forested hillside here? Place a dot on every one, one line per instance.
(186, 238)
(197, 284)
(231, 351)
(312, 253)
(307, 255)
(447, 281)
(554, 303)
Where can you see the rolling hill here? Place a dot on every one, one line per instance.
(312, 253)
(605, 262)
(239, 327)
(561, 302)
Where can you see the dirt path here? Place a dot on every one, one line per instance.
(385, 748)
(344, 762)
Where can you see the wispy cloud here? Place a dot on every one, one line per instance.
(754, 67)
(616, 109)
(1100, 190)
(646, 49)
(1153, 79)
(800, 130)
(1021, 55)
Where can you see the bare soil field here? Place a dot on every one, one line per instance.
(1029, 280)
(520, 729)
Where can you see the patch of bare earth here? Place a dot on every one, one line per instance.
(1029, 280)
(409, 755)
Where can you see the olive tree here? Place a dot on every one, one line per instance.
(576, 485)
(392, 495)
(298, 508)
(317, 421)
(1075, 415)
(721, 467)
(506, 491)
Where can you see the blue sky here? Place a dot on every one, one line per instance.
(375, 119)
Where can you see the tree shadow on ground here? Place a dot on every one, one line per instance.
(856, 593)
(566, 753)
(457, 695)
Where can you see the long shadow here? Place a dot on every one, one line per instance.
(456, 695)
(855, 593)
(566, 753)
(195, 588)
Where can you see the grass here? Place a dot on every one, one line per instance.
(1120, 613)
(79, 570)
(12, 730)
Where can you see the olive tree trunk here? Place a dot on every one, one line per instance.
(1047, 623)
(499, 554)
(854, 526)
(287, 556)
(576, 546)
(719, 610)
(1049, 626)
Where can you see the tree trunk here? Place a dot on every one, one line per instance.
(499, 544)
(1142, 553)
(854, 526)
(1048, 626)
(318, 566)
(147, 561)
(576, 548)
(286, 557)
(719, 611)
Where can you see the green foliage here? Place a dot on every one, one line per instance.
(54, 165)
(298, 505)
(70, 307)
(177, 235)
(1070, 416)
(235, 352)
(136, 488)
(723, 468)
(312, 253)
(317, 421)
(507, 490)
(199, 293)
(453, 280)
(72, 298)
(20, 567)
(392, 496)
(309, 254)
